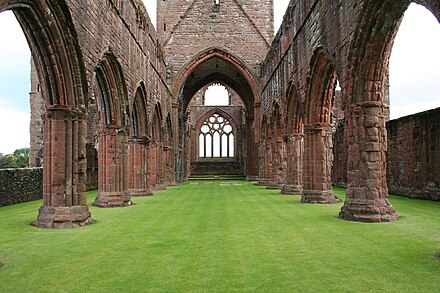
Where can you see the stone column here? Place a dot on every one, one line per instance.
(318, 160)
(277, 178)
(266, 159)
(64, 198)
(152, 170)
(367, 192)
(250, 158)
(112, 179)
(160, 167)
(294, 159)
(137, 158)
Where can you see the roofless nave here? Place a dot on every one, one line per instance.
(110, 79)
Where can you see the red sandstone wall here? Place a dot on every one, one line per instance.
(414, 155)
(413, 159)
(245, 30)
(127, 32)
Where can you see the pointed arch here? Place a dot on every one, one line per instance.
(294, 138)
(244, 81)
(52, 38)
(139, 113)
(321, 87)
(53, 41)
(111, 91)
(318, 143)
(294, 111)
(217, 135)
(156, 127)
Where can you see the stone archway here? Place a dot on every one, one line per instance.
(53, 42)
(294, 139)
(138, 145)
(214, 65)
(277, 149)
(318, 131)
(110, 92)
(155, 149)
(367, 111)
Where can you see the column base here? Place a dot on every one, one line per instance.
(252, 178)
(160, 187)
(112, 200)
(140, 192)
(63, 217)
(319, 197)
(274, 186)
(261, 182)
(369, 211)
(292, 189)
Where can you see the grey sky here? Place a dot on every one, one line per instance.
(414, 70)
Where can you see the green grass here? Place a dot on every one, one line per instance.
(210, 238)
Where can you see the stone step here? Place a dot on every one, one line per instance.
(217, 177)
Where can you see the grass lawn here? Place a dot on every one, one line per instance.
(202, 237)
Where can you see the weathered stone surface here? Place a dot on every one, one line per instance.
(112, 200)
(412, 156)
(20, 185)
(63, 217)
(108, 78)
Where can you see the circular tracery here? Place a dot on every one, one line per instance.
(216, 138)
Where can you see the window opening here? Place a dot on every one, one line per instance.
(216, 138)
(217, 95)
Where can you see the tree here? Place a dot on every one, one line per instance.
(19, 159)
(22, 156)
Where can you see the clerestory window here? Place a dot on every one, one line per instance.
(216, 138)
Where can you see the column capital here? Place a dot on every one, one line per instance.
(61, 112)
(142, 140)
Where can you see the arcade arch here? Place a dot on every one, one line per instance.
(215, 66)
(51, 38)
(111, 94)
(368, 107)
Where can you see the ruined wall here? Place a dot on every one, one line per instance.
(244, 28)
(20, 185)
(124, 29)
(414, 155)
(340, 154)
(92, 167)
(36, 122)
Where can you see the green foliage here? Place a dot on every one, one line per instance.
(213, 237)
(19, 159)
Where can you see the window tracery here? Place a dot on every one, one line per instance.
(216, 138)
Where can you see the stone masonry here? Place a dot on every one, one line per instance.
(108, 78)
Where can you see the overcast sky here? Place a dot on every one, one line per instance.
(414, 70)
